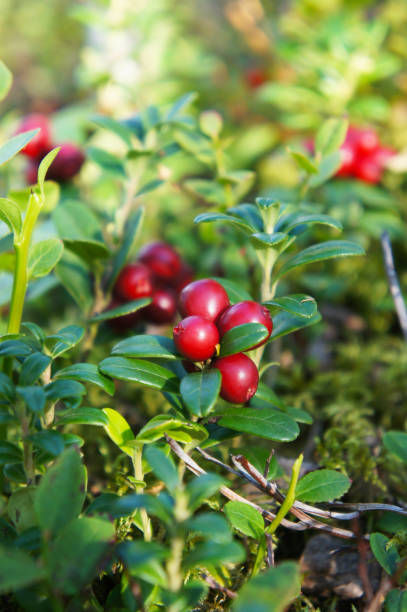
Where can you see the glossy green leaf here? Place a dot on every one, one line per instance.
(321, 252)
(271, 591)
(216, 217)
(49, 441)
(122, 310)
(10, 215)
(34, 397)
(266, 423)
(146, 346)
(61, 492)
(269, 241)
(289, 222)
(7, 390)
(86, 372)
(20, 508)
(63, 389)
(88, 250)
(181, 431)
(245, 518)
(299, 305)
(331, 136)
(385, 552)
(141, 371)
(287, 323)
(18, 570)
(162, 466)
(119, 431)
(9, 452)
(15, 348)
(82, 416)
(65, 339)
(234, 291)
(44, 166)
(12, 146)
(242, 338)
(322, 485)
(200, 391)
(396, 443)
(44, 256)
(33, 367)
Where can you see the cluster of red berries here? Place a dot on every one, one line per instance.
(67, 163)
(208, 315)
(363, 156)
(160, 274)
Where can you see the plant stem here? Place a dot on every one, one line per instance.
(139, 475)
(289, 498)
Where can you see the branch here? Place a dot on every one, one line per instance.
(394, 283)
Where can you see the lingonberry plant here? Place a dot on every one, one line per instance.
(159, 536)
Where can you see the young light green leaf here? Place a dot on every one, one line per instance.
(119, 431)
(12, 146)
(87, 372)
(304, 162)
(242, 338)
(245, 518)
(10, 215)
(396, 443)
(211, 123)
(181, 431)
(330, 136)
(322, 485)
(44, 166)
(321, 252)
(82, 416)
(266, 423)
(141, 371)
(200, 391)
(44, 256)
(386, 554)
(144, 346)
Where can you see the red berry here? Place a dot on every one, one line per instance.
(163, 308)
(133, 282)
(368, 170)
(245, 312)
(367, 141)
(206, 298)
(184, 277)
(125, 322)
(348, 157)
(196, 338)
(31, 172)
(67, 163)
(162, 259)
(382, 155)
(41, 143)
(255, 77)
(239, 378)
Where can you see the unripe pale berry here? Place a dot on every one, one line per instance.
(239, 378)
(196, 338)
(245, 312)
(133, 282)
(205, 298)
(163, 261)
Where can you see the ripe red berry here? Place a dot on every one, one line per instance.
(41, 143)
(31, 172)
(67, 163)
(245, 312)
(196, 338)
(162, 259)
(239, 378)
(367, 141)
(133, 282)
(382, 155)
(348, 157)
(255, 77)
(206, 298)
(368, 170)
(163, 308)
(184, 277)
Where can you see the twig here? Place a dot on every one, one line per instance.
(369, 507)
(363, 548)
(214, 584)
(394, 283)
(268, 461)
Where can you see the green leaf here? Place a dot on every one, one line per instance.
(146, 346)
(107, 161)
(304, 162)
(34, 397)
(214, 553)
(245, 518)
(298, 305)
(211, 123)
(385, 552)
(78, 551)
(322, 485)
(61, 492)
(12, 146)
(321, 252)
(242, 338)
(126, 505)
(64, 389)
(6, 78)
(262, 240)
(137, 552)
(44, 166)
(113, 126)
(75, 277)
(33, 367)
(211, 525)
(131, 231)
(88, 250)
(271, 591)
(396, 443)
(215, 217)
(18, 570)
(82, 416)
(289, 222)
(200, 391)
(268, 203)
(119, 431)
(331, 136)
(141, 371)
(9, 452)
(76, 221)
(327, 168)
(269, 424)
(396, 601)
(7, 390)
(162, 466)
(234, 291)
(15, 348)
(10, 215)
(181, 103)
(181, 431)
(150, 186)
(49, 441)
(203, 487)
(66, 338)
(20, 508)
(287, 323)
(44, 256)
(120, 311)
(87, 372)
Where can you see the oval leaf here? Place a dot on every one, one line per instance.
(147, 346)
(44, 256)
(200, 391)
(119, 431)
(14, 145)
(242, 338)
(87, 372)
(141, 371)
(396, 443)
(321, 252)
(10, 215)
(322, 485)
(121, 311)
(298, 305)
(245, 518)
(266, 423)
